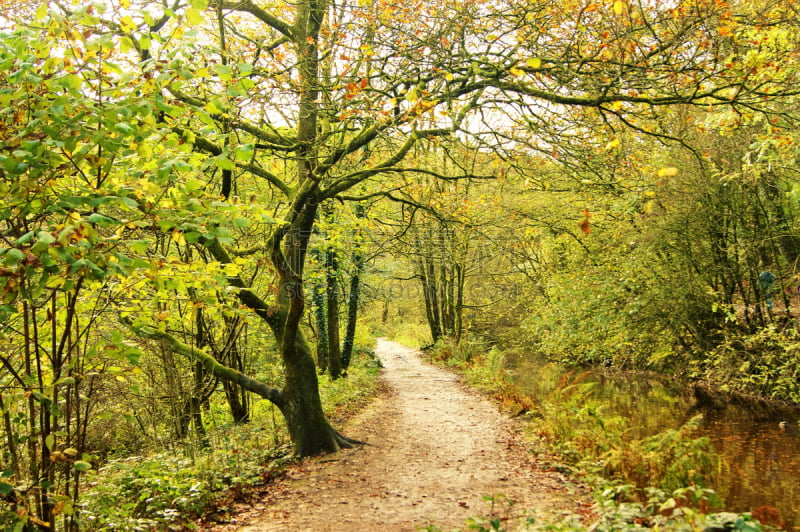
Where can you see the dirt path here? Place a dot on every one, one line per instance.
(436, 449)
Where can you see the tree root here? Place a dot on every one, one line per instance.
(344, 442)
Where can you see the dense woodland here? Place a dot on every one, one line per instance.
(208, 207)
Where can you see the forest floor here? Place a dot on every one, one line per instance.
(437, 454)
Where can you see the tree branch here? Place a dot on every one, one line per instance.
(217, 369)
(247, 6)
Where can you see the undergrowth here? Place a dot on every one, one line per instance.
(765, 363)
(168, 490)
(663, 481)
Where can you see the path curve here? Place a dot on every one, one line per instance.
(436, 450)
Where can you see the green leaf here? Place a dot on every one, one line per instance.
(246, 84)
(82, 466)
(124, 128)
(24, 239)
(223, 163)
(49, 441)
(139, 246)
(244, 152)
(44, 240)
(126, 44)
(13, 256)
(224, 72)
(212, 108)
(99, 219)
(144, 42)
(89, 266)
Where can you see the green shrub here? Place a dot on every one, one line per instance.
(162, 490)
(765, 363)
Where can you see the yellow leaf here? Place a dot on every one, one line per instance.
(194, 17)
(59, 507)
(613, 144)
(39, 522)
(534, 62)
(41, 13)
(669, 171)
(516, 71)
(177, 236)
(125, 3)
(127, 24)
(145, 150)
(231, 269)
(619, 7)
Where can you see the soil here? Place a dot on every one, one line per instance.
(437, 454)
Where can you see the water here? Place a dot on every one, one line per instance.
(760, 460)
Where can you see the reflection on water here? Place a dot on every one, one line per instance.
(760, 460)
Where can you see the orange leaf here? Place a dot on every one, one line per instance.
(584, 224)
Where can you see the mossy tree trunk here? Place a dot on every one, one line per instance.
(309, 429)
(332, 314)
(318, 300)
(353, 300)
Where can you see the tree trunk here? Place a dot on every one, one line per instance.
(459, 304)
(236, 402)
(332, 292)
(299, 399)
(352, 311)
(432, 300)
(318, 299)
(309, 429)
(310, 432)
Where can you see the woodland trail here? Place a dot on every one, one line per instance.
(436, 450)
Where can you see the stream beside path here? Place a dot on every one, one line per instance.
(760, 461)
